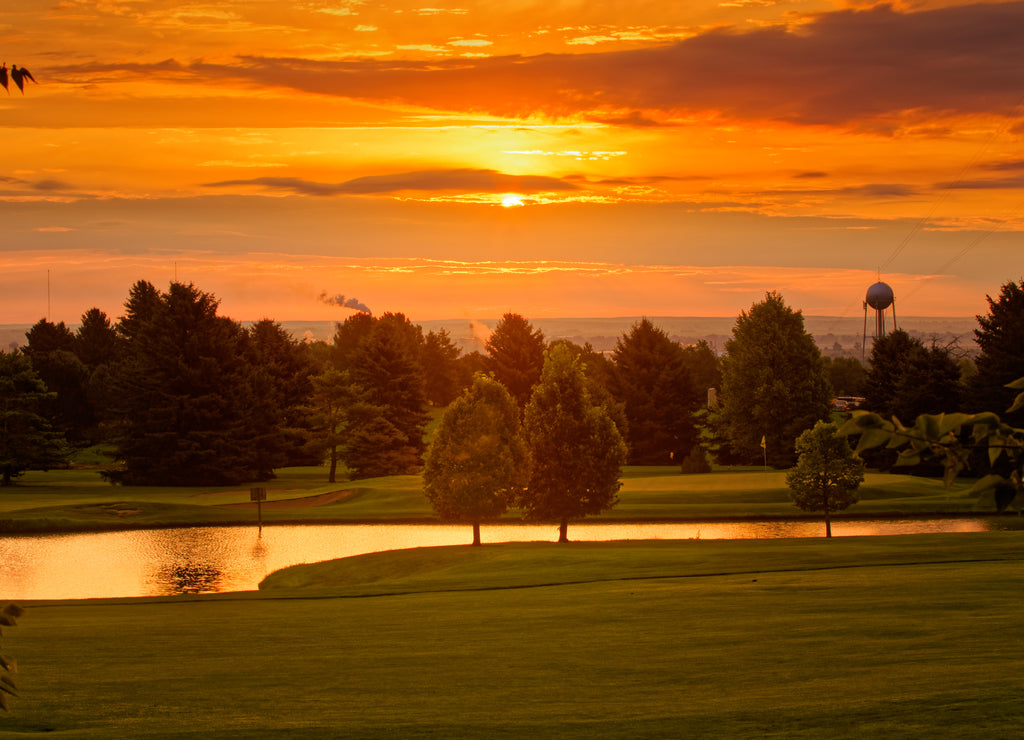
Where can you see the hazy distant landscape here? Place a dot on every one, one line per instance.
(602, 333)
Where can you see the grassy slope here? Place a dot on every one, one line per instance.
(913, 636)
(79, 499)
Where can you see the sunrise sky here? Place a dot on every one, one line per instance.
(464, 158)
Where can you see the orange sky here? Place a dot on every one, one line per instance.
(549, 157)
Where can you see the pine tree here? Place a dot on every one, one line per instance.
(441, 370)
(1001, 338)
(27, 439)
(515, 354)
(187, 414)
(386, 365)
(653, 381)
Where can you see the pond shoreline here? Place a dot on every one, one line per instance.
(36, 527)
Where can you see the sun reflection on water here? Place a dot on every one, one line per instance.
(216, 559)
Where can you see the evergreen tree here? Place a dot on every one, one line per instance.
(773, 383)
(27, 439)
(439, 357)
(375, 447)
(478, 458)
(332, 399)
(907, 379)
(887, 362)
(576, 449)
(1000, 337)
(847, 375)
(45, 336)
(348, 336)
(515, 354)
(142, 304)
(703, 367)
(51, 348)
(283, 365)
(654, 383)
(187, 410)
(386, 365)
(96, 341)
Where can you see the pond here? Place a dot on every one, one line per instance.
(216, 559)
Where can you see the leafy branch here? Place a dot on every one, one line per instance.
(950, 439)
(19, 75)
(8, 618)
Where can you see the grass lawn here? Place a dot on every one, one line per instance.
(79, 499)
(912, 636)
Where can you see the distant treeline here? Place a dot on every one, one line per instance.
(186, 396)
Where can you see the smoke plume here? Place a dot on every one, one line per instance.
(341, 300)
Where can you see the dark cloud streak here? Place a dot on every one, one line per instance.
(459, 180)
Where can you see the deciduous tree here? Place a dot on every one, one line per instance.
(773, 383)
(827, 472)
(576, 449)
(952, 439)
(478, 458)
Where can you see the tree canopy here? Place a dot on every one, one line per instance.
(515, 354)
(773, 383)
(576, 449)
(1000, 337)
(190, 409)
(827, 472)
(478, 459)
(654, 381)
(27, 439)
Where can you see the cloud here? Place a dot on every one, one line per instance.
(1001, 183)
(836, 68)
(462, 180)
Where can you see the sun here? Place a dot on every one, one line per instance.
(511, 200)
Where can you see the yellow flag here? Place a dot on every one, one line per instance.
(762, 441)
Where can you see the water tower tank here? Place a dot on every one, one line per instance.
(880, 296)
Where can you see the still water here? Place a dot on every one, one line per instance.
(214, 559)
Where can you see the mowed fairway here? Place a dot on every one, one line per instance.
(69, 500)
(912, 636)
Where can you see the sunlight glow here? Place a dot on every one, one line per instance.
(511, 200)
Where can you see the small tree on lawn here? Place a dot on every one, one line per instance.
(827, 472)
(478, 457)
(576, 448)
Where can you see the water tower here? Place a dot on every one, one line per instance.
(879, 297)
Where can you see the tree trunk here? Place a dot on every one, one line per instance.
(334, 464)
(828, 524)
(563, 531)
(476, 533)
